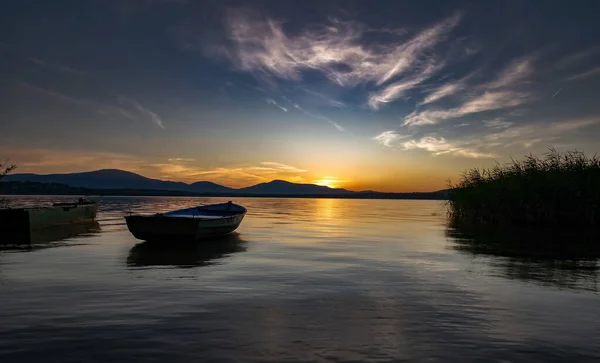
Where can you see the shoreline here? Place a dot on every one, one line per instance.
(34, 188)
(292, 196)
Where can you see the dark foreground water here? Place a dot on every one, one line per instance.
(305, 280)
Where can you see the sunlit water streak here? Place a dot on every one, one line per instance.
(302, 280)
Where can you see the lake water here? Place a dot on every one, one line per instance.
(304, 280)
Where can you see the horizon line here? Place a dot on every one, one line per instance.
(234, 188)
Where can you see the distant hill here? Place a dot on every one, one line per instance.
(117, 179)
(120, 179)
(35, 188)
(209, 187)
(285, 187)
(120, 182)
(106, 178)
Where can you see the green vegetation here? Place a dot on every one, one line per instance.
(5, 169)
(557, 190)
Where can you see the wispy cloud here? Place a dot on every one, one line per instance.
(497, 123)
(271, 101)
(338, 50)
(586, 74)
(436, 146)
(431, 144)
(443, 91)
(128, 108)
(396, 90)
(515, 72)
(488, 145)
(500, 93)
(556, 93)
(488, 101)
(409, 53)
(532, 133)
(54, 94)
(181, 160)
(389, 138)
(330, 101)
(577, 57)
(142, 111)
(319, 117)
(472, 153)
(337, 126)
(282, 167)
(236, 176)
(57, 67)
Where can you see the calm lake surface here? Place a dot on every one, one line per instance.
(306, 280)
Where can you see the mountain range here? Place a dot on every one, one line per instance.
(120, 182)
(120, 179)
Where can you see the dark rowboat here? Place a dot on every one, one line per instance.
(189, 224)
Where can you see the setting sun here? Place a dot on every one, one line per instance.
(330, 182)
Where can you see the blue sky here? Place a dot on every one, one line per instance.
(384, 95)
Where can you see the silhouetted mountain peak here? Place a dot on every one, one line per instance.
(121, 180)
(279, 186)
(104, 178)
(206, 183)
(112, 173)
(277, 182)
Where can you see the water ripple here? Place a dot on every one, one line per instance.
(323, 280)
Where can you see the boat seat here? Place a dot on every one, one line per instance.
(199, 216)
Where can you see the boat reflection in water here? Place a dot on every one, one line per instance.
(183, 254)
(564, 258)
(48, 237)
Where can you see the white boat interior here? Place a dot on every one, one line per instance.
(213, 211)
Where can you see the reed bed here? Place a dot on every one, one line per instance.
(555, 190)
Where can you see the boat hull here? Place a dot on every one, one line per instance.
(162, 228)
(62, 214)
(18, 224)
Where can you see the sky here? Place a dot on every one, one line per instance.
(381, 95)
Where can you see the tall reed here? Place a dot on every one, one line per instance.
(558, 189)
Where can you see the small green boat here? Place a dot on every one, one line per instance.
(17, 224)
